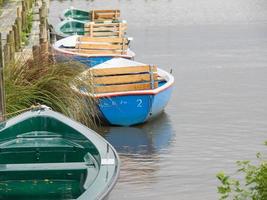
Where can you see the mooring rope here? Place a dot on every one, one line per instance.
(33, 107)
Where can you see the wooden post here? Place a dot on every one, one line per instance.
(6, 54)
(44, 52)
(18, 24)
(30, 3)
(11, 41)
(2, 87)
(23, 17)
(36, 53)
(18, 12)
(16, 37)
(8, 49)
(43, 23)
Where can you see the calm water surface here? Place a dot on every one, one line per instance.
(218, 111)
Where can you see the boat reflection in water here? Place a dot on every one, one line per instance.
(146, 139)
(140, 148)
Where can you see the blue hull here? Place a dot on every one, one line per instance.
(126, 110)
(160, 101)
(88, 61)
(133, 109)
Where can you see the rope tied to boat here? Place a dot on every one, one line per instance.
(32, 107)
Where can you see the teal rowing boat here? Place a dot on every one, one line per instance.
(47, 156)
(76, 14)
(92, 15)
(69, 27)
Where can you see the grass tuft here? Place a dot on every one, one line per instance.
(45, 82)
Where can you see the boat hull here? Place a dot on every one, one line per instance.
(75, 14)
(125, 110)
(128, 110)
(89, 61)
(69, 27)
(160, 101)
(45, 155)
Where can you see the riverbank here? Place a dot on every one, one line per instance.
(23, 27)
(23, 33)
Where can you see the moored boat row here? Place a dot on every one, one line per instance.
(78, 22)
(46, 155)
(127, 92)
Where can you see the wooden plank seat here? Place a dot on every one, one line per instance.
(46, 166)
(93, 29)
(122, 79)
(103, 15)
(90, 45)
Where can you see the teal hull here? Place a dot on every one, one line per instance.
(76, 14)
(45, 155)
(69, 27)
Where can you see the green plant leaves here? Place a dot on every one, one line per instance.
(253, 185)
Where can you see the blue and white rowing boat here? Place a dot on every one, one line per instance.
(92, 51)
(129, 92)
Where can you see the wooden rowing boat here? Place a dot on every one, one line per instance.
(129, 92)
(45, 155)
(93, 15)
(92, 50)
(70, 27)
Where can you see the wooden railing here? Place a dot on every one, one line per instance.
(104, 15)
(91, 45)
(93, 29)
(120, 79)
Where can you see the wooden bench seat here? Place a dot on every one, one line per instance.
(122, 79)
(90, 45)
(93, 29)
(45, 166)
(101, 15)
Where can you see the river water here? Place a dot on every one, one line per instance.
(217, 51)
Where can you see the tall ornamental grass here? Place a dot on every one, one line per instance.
(30, 82)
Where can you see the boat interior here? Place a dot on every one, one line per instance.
(58, 159)
(124, 79)
(95, 46)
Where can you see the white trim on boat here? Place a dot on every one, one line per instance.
(70, 42)
(162, 73)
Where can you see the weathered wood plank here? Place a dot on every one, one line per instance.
(107, 11)
(122, 88)
(99, 46)
(113, 52)
(120, 79)
(108, 40)
(122, 70)
(105, 14)
(104, 34)
(105, 24)
(106, 29)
